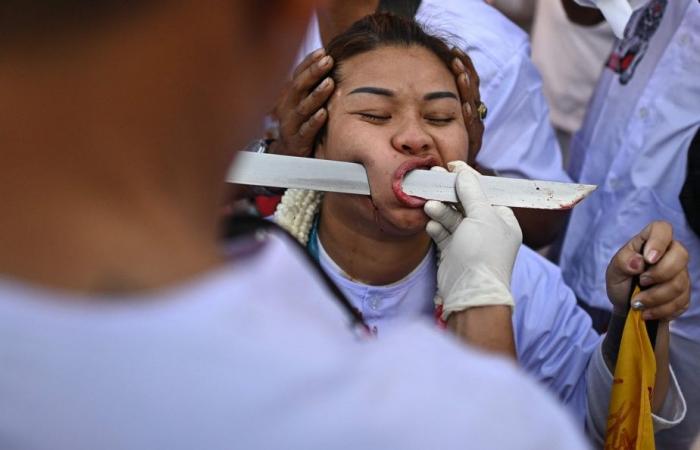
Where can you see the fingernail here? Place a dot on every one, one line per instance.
(325, 61)
(460, 65)
(318, 53)
(652, 256)
(325, 83)
(636, 263)
(637, 305)
(468, 109)
(320, 113)
(465, 77)
(647, 315)
(645, 280)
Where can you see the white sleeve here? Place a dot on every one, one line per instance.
(519, 139)
(599, 385)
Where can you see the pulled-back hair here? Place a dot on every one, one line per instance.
(384, 29)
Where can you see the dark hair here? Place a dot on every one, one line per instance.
(384, 29)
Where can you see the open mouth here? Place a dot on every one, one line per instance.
(416, 163)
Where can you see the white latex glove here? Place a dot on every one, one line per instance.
(477, 249)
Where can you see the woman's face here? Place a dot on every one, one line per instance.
(394, 110)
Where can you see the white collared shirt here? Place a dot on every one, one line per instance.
(634, 146)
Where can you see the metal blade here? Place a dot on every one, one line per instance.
(260, 169)
(511, 192)
(334, 176)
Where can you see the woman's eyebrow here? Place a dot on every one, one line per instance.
(373, 90)
(439, 94)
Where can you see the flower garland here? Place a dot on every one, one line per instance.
(296, 212)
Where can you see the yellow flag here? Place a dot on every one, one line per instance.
(629, 415)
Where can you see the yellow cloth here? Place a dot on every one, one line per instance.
(629, 415)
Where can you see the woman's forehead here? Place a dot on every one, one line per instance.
(399, 68)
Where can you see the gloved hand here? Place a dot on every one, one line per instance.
(477, 249)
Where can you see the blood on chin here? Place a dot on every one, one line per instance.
(396, 218)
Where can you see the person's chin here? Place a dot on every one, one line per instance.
(407, 221)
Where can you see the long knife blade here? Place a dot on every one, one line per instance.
(259, 169)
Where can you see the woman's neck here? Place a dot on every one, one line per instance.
(371, 258)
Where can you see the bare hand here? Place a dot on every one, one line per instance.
(468, 87)
(300, 110)
(667, 280)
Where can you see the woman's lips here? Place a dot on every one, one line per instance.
(408, 200)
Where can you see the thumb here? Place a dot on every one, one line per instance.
(468, 188)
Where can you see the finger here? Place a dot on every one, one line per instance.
(668, 311)
(437, 233)
(462, 78)
(310, 59)
(507, 215)
(307, 79)
(470, 194)
(656, 239)
(624, 265)
(310, 128)
(317, 98)
(443, 214)
(663, 293)
(674, 261)
(457, 166)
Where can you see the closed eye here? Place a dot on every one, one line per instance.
(440, 120)
(373, 118)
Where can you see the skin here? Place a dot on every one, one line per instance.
(116, 139)
(379, 117)
(393, 106)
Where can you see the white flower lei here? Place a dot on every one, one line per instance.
(296, 212)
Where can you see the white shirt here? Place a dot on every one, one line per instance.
(634, 145)
(518, 138)
(554, 339)
(256, 355)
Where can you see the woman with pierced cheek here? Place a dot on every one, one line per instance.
(397, 107)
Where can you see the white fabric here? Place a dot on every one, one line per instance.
(254, 356)
(570, 58)
(634, 145)
(476, 250)
(381, 306)
(554, 339)
(518, 137)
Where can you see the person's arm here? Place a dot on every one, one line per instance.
(487, 327)
(477, 251)
(661, 264)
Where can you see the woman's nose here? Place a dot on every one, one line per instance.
(412, 138)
